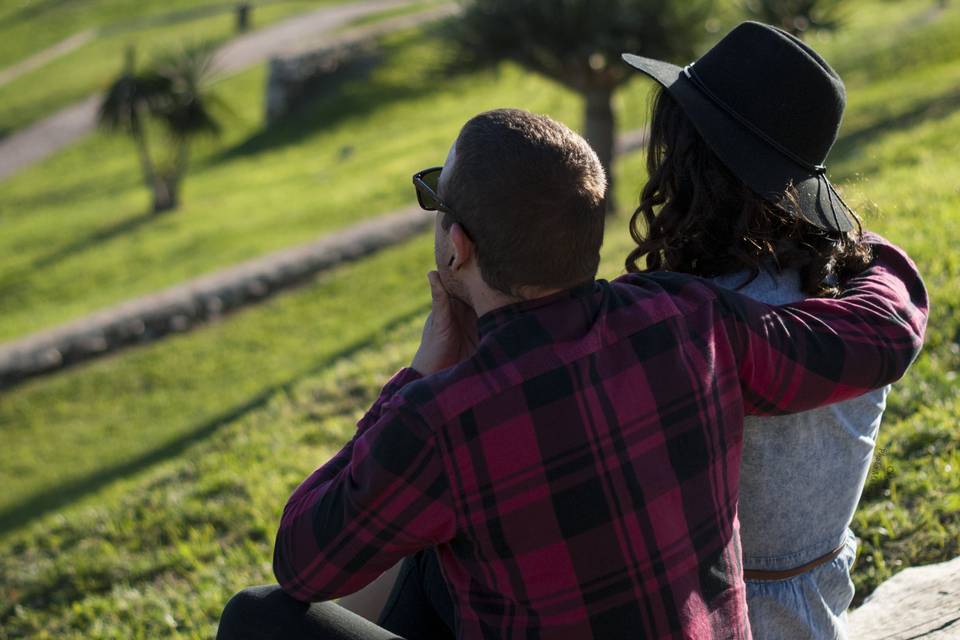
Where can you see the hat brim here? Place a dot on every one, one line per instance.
(761, 167)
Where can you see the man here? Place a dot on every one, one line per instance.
(574, 471)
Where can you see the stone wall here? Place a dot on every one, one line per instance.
(201, 300)
(295, 79)
(302, 73)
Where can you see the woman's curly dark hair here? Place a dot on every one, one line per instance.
(696, 217)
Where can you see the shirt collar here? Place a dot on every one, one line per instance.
(501, 315)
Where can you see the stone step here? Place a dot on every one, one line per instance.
(919, 602)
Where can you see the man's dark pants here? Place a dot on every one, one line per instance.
(419, 607)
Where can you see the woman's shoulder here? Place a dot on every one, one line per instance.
(770, 286)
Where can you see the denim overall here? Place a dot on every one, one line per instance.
(800, 480)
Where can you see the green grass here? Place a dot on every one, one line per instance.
(29, 27)
(208, 488)
(911, 508)
(128, 408)
(92, 67)
(143, 489)
(174, 542)
(75, 236)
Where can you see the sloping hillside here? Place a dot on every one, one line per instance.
(143, 489)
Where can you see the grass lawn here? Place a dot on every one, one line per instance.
(76, 237)
(29, 27)
(143, 489)
(92, 67)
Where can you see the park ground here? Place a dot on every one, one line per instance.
(142, 489)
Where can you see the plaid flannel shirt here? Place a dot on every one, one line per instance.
(578, 475)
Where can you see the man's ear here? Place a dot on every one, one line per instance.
(463, 250)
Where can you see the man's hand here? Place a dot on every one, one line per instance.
(450, 333)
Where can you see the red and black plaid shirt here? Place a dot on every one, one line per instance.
(578, 475)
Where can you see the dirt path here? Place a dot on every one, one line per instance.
(258, 46)
(44, 138)
(41, 58)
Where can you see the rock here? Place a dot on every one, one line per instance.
(920, 602)
(293, 80)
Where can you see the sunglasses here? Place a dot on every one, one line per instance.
(426, 182)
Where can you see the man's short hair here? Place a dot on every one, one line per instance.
(530, 194)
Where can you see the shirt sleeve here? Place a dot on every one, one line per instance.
(820, 351)
(384, 496)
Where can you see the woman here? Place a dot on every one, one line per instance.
(737, 192)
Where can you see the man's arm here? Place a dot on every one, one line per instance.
(820, 351)
(382, 497)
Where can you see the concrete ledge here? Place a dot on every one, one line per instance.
(920, 602)
(199, 300)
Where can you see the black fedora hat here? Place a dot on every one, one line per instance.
(770, 108)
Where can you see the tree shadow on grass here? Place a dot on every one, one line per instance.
(934, 108)
(22, 206)
(17, 279)
(104, 234)
(58, 191)
(40, 503)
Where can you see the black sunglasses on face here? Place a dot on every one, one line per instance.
(425, 182)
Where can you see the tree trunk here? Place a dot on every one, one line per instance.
(166, 193)
(181, 157)
(163, 187)
(150, 176)
(243, 16)
(600, 127)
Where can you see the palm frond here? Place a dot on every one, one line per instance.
(183, 101)
(122, 103)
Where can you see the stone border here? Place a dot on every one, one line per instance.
(919, 602)
(208, 297)
(200, 300)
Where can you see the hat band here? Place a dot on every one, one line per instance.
(691, 75)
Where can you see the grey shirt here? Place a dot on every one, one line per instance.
(801, 475)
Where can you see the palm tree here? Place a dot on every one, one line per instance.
(172, 92)
(578, 44)
(796, 16)
(185, 107)
(125, 108)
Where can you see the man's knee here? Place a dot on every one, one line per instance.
(251, 613)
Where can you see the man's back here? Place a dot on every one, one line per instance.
(592, 445)
(578, 473)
